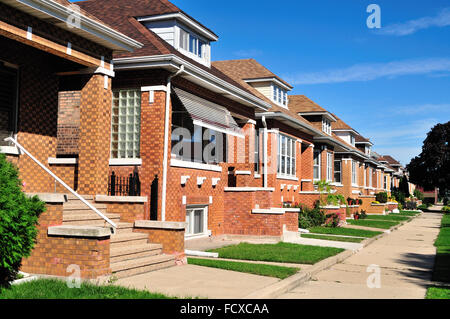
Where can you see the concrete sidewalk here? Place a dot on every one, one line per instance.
(405, 257)
(195, 281)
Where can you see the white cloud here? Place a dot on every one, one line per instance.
(422, 109)
(442, 19)
(372, 71)
(248, 53)
(402, 141)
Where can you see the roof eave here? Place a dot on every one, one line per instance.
(206, 79)
(103, 34)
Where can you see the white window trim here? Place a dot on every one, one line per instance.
(330, 167)
(125, 162)
(294, 156)
(194, 165)
(319, 165)
(206, 231)
(340, 172)
(355, 180)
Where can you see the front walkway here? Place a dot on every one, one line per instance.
(405, 257)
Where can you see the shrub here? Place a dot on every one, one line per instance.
(418, 194)
(410, 205)
(360, 202)
(363, 214)
(428, 201)
(335, 200)
(18, 219)
(333, 220)
(422, 207)
(310, 217)
(446, 209)
(381, 197)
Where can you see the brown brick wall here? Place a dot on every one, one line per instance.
(52, 255)
(68, 122)
(95, 136)
(171, 240)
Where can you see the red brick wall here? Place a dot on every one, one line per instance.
(171, 240)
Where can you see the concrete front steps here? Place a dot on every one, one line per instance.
(130, 252)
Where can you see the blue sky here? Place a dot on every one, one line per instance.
(392, 85)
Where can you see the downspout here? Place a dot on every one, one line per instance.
(263, 119)
(166, 141)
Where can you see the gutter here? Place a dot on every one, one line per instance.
(306, 126)
(265, 152)
(166, 140)
(172, 60)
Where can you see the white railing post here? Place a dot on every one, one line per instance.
(10, 139)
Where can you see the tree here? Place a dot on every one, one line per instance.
(404, 186)
(431, 169)
(18, 219)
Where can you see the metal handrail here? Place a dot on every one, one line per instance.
(10, 139)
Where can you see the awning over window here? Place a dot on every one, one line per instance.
(207, 114)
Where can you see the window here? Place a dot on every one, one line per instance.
(194, 143)
(257, 135)
(370, 177)
(329, 167)
(337, 172)
(354, 173)
(192, 43)
(197, 221)
(126, 124)
(8, 102)
(286, 156)
(316, 165)
(352, 139)
(385, 182)
(326, 126)
(280, 96)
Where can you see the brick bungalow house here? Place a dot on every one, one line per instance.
(53, 53)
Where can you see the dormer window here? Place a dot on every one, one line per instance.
(326, 126)
(279, 96)
(191, 43)
(184, 34)
(352, 139)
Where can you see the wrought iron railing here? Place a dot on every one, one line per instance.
(124, 186)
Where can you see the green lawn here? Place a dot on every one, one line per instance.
(391, 217)
(408, 213)
(281, 252)
(58, 289)
(251, 268)
(438, 293)
(334, 238)
(373, 223)
(441, 270)
(344, 231)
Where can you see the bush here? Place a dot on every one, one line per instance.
(381, 197)
(446, 209)
(428, 201)
(422, 207)
(418, 194)
(410, 205)
(333, 220)
(362, 215)
(310, 217)
(18, 219)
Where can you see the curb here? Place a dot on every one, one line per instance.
(286, 285)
